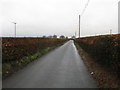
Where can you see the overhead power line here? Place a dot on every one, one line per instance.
(86, 5)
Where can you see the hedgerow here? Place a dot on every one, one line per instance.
(18, 52)
(104, 49)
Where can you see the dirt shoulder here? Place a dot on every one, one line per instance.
(102, 75)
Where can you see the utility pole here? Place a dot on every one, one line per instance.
(79, 25)
(110, 31)
(75, 34)
(81, 15)
(15, 27)
(119, 17)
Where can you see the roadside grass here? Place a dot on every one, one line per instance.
(13, 66)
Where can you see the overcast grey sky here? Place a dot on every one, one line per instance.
(60, 17)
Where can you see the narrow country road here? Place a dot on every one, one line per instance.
(60, 68)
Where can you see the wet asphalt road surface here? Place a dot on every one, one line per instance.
(60, 68)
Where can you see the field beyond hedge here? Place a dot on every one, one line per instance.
(17, 52)
(104, 49)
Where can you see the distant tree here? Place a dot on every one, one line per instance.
(54, 36)
(66, 37)
(44, 36)
(62, 36)
(73, 37)
(50, 36)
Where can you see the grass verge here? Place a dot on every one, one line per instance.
(101, 74)
(13, 66)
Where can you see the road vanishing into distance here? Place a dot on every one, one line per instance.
(60, 68)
